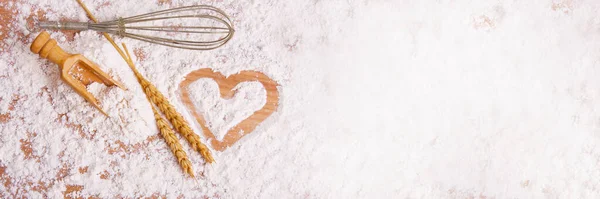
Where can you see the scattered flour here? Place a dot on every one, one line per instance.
(378, 99)
(223, 114)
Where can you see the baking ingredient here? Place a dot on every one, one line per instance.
(167, 133)
(378, 99)
(157, 98)
(222, 114)
(227, 90)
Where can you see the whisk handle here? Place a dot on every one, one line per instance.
(59, 25)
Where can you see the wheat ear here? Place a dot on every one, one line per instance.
(173, 143)
(154, 95)
(177, 121)
(165, 131)
(157, 98)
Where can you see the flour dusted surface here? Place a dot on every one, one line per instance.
(378, 99)
(222, 114)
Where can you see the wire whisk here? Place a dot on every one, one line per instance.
(199, 27)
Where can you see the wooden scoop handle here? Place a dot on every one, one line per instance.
(48, 48)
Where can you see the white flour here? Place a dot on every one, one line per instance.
(378, 99)
(223, 114)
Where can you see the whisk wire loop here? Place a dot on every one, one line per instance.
(211, 27)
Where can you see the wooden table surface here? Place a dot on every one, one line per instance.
(8, 23)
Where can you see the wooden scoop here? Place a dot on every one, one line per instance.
(76, 70)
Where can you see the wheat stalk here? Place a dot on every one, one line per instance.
(173, 143)
(177, 120)
(154, 95)
(162, 125)
(157, 98)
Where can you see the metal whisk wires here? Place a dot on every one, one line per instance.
(199, 27)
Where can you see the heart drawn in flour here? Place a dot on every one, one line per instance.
(227, 88)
